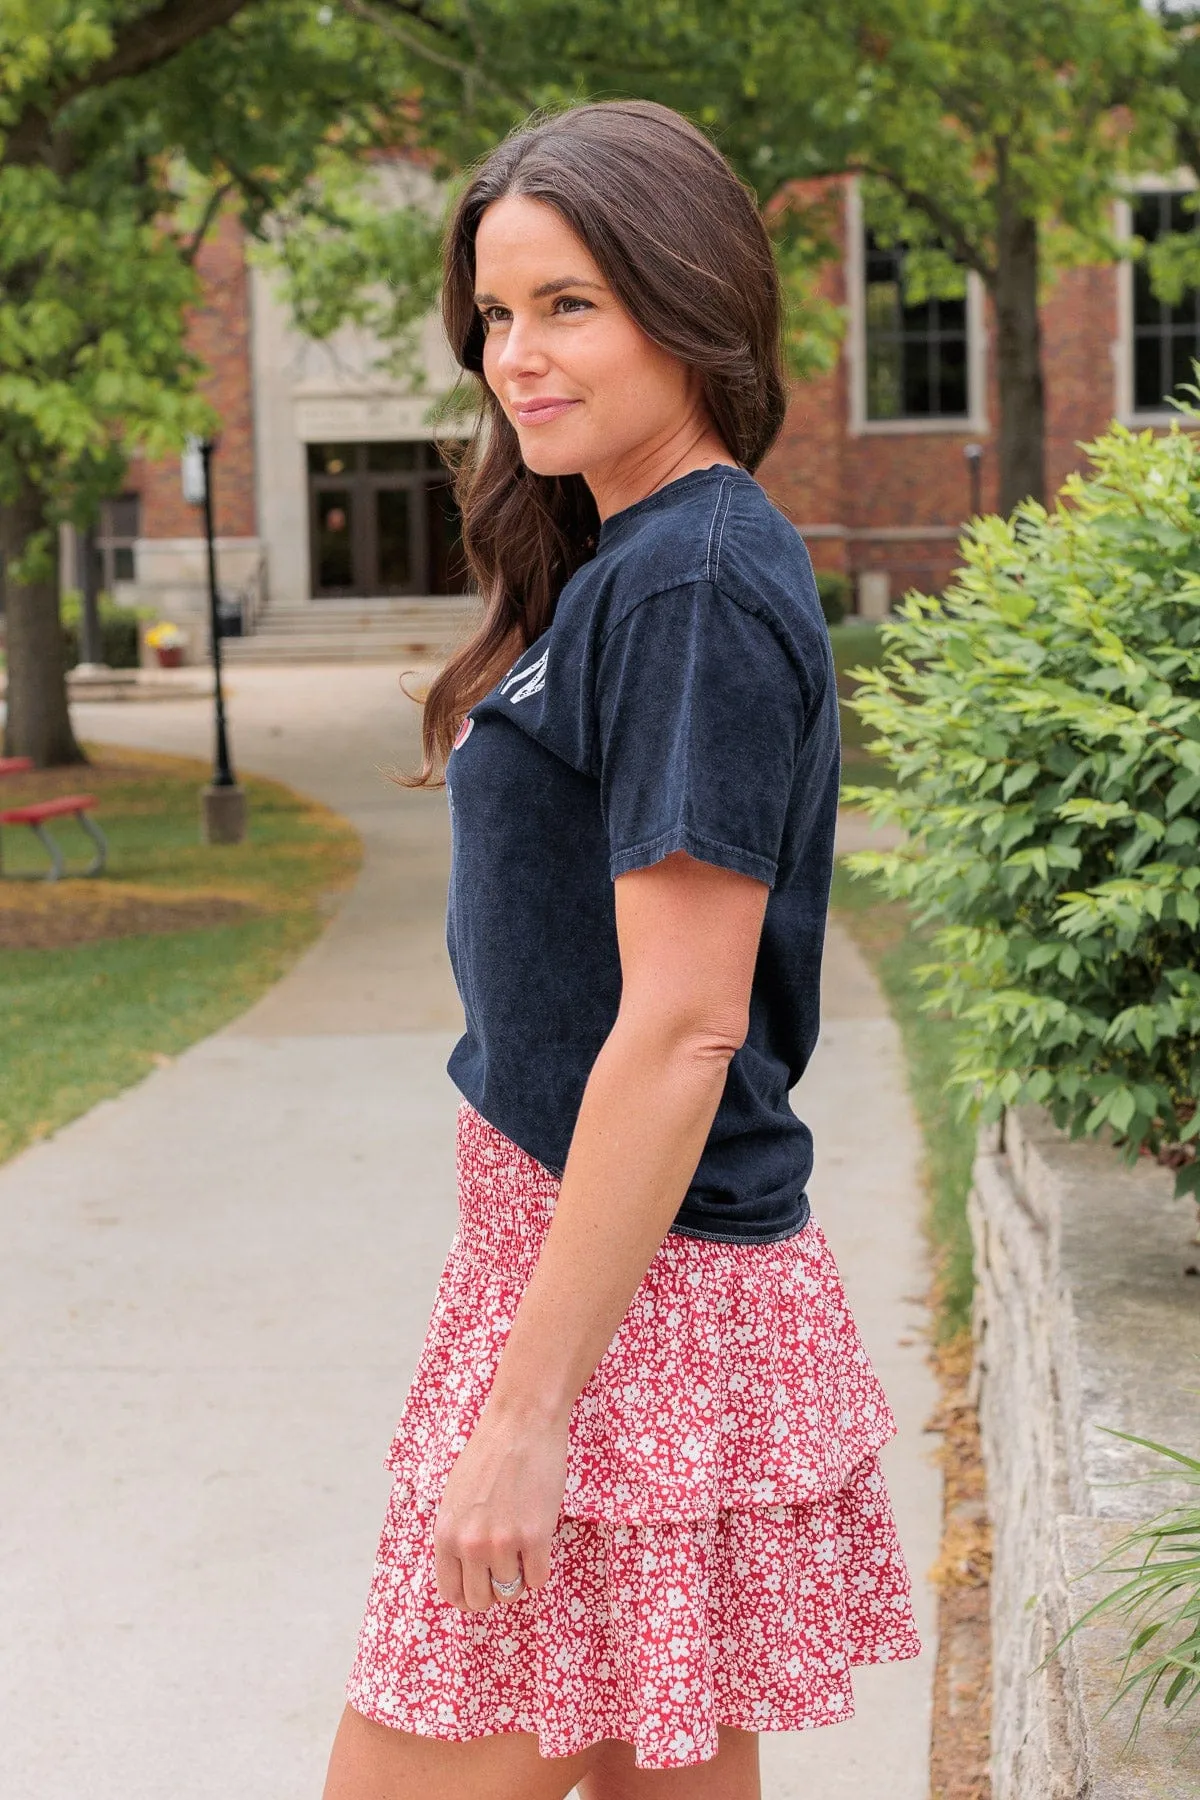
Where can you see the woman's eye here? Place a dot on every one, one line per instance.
(564, 303)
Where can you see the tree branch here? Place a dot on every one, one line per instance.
(947, 227)
(394, 28)
(414, 10)
(470, 73)
(212, 207)
(252, 188)
(143, 44)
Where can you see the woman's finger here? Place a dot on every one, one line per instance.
(501, 1571)
(535, 1560)
(449, 1572)
(477, 1582)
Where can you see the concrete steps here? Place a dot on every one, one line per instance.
(357, 630)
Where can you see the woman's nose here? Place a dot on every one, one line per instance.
(521, 350)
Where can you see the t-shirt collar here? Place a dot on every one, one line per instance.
(666, 496)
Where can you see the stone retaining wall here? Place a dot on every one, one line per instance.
(1087, 1315)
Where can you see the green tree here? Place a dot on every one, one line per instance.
(125, 129)
(1173, 260)
(476, 72)
(990, 135)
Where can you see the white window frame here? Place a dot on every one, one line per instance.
(1181, 181)
(106, 545)
(975, 421)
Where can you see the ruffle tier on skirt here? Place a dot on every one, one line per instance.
(726, 1550)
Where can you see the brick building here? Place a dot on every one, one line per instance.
(872, 462)
(328, 488)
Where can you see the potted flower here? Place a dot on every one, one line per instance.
(167, 641)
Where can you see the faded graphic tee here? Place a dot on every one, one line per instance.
(683, 698)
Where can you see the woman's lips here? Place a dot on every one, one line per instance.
(540, 412)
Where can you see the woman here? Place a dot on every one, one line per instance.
(637, 1515)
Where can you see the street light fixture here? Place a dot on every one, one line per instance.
(223, 802)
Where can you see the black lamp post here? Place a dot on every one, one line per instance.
(974, 456)
(223, 802)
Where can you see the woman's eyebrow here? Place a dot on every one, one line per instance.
(544, 291)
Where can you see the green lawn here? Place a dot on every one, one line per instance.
(895, 950)
(83, 1019)
(884, 932)
(855, 646)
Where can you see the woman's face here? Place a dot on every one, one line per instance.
(584, 387)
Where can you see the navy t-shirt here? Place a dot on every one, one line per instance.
(683, 698)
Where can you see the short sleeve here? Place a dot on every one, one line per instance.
(699, 712)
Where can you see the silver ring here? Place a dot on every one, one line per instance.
(506, 1589)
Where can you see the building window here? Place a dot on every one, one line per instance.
(117, 532)
(916, 356)
(383, 521)
(1165, 338)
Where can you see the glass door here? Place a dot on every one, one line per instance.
(395, 478)
(383, 521)
(335, 520)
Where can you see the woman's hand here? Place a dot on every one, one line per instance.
(499, 1509)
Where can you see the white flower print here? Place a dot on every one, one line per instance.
(711, 1565)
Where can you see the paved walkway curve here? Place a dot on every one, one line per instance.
(214, 1288)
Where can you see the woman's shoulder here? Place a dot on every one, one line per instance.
(758, 551)
(724, 533)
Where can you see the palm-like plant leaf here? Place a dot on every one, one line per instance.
(1159, 1595)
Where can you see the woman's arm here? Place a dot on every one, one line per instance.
(688, 934)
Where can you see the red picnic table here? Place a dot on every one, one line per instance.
(35, 815)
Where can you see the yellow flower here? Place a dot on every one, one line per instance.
(164, 636)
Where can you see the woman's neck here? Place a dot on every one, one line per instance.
(652, 466)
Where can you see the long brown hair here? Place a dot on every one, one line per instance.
(680, 241)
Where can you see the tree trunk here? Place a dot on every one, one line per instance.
(1019, 361)
(39, 723)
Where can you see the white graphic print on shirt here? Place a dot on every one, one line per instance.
(533, 679)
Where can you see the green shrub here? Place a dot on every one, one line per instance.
(118, 631)
(1043, 720)
(833, 590)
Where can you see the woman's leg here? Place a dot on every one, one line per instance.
(732, 1774)
(375, 1762)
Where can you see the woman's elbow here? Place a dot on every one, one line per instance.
(704, 1040)
(718, 1043)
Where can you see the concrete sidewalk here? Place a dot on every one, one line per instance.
(216, 1286)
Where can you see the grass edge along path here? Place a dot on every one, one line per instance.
(81, 1022)
(960, 1741)
(884, 933)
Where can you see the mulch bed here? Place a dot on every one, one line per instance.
(108, 767)
(54, 915)
(962, 1678)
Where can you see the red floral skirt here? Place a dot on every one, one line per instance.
(726, 1550)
